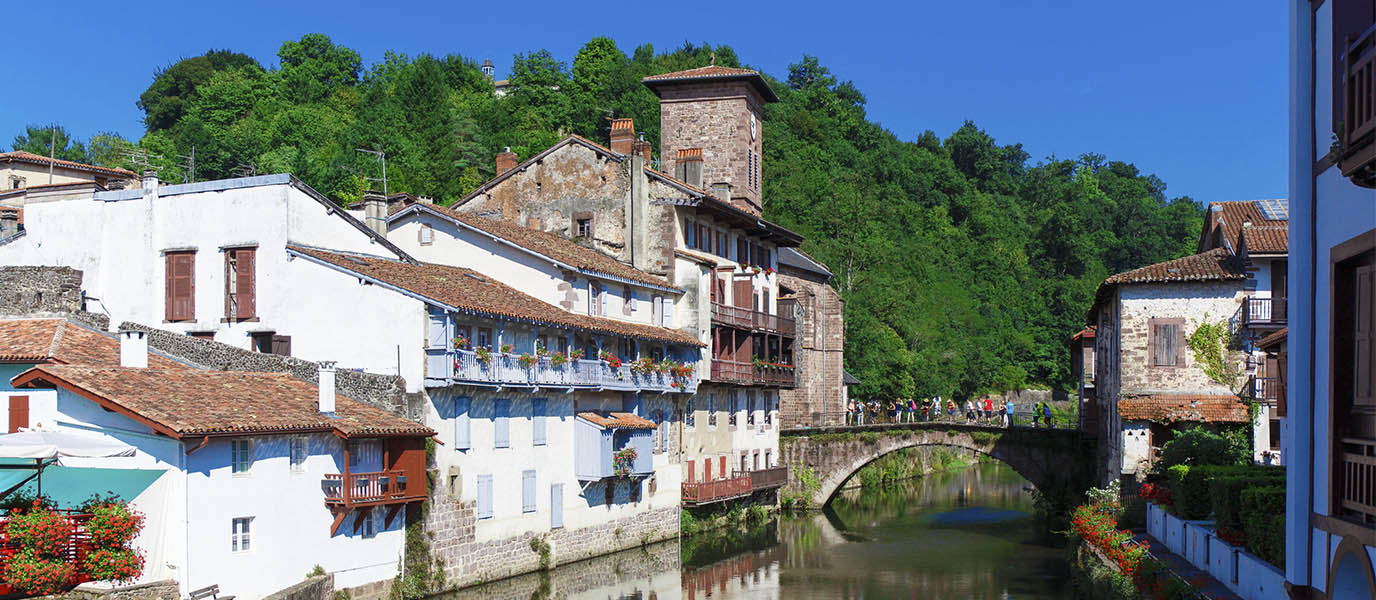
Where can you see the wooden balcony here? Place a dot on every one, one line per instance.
(745, 318)
(1263, 389)
(73, 552)
(746, 373)
(503, 370)
(1358, 157)
(1356, 479)
(1263, 312)
(371, 489)
(737, 486)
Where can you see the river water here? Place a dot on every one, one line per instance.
(966, 533)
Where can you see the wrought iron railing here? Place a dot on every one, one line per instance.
(1263, 389)
(1263, 311)
(1356, 479)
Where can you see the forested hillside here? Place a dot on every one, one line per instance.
(965, 266)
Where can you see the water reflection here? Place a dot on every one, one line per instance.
(965, 534)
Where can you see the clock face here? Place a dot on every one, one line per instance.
(752, 127)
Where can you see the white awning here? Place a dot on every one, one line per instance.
(62, 443)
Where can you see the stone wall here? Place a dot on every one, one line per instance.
(35, 291)
(716, 118)
(387, 392)
(611, 570)
(818, 352)
(319, 587)
(452, 527)
(157, 590)
(1193, 304)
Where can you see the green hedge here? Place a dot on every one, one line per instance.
(1192, 491)
(1263, 522)
(1225, 493)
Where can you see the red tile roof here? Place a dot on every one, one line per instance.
(187, 402)
(1223, 222)
(1269, 239)
(466, 289)
(38, 159)
(1214, 265)
(1086, 333)
(712, 73)
(545, 244)
(617, 419)
(64, 341)
(1170, 408)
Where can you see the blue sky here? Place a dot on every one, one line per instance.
(1194, 92)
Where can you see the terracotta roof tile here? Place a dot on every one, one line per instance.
(1215, 265)
(546, 244)
(1269, 239)
(38, 159)
(1086, 333)
(1170, 408)
(1226, 219)
(714, 72)
(617, 419)
(469, 290)
(64, 341)
(187, 402)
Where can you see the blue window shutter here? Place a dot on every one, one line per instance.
(462, 439)
(537, 426)
(484, 496)
(501, 424)
(556, 506)
(438, 325)
(528, 491)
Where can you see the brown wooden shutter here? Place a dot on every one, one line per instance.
(1280, 385)
(246, 283)
(281, 345)
(744, 293)
(181, 286)
(19, 412)
(168, 287)
(1363, 369)
(742, 250)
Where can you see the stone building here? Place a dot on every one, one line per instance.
(1148, 383)
(1082, 373)
(699, 228)
(805, 293)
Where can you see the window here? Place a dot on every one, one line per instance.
(556, 506)
(19, 413)
(1352, 379)
(528, 491)
(16, 182)
(180, 290)
(628, 297)
(661, 428)
(462, 439)
(657, 315)
(688, 415)
(711, 410)
(742, 250)
(239, 534)
(485, 338)
(750, 408)
(371, 522)
(484, 496)
(426, 234)
(627, 349)
(240, 456)
(768, 409)
(734, 405)
(689, 233)
(465, 333)
(582, 227)
(537, 425)
(1166, 341)
(501, 424)
(298, 454)
(595, 299)
(240, 287)
(268, 342)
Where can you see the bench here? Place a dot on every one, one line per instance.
(212, 592)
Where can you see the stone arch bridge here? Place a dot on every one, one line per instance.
(1056, 461)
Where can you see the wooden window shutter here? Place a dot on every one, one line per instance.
(247, 277)
(1364, 331)
(281, 345)
(181, 286)
(744, 293)
(19, 412)
(742, 250)
(1280, 385)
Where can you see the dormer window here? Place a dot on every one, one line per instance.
(426, 235)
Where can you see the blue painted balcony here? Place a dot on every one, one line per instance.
(453, 367)
(612, 445)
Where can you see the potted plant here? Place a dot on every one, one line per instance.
(623, 461)
(526, 361)
(558, 359)
(643, 365)
(612, 360)
(576, 354)
(506, 348)
(483, 354)
(461, 342)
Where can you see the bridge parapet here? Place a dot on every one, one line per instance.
(820, 460)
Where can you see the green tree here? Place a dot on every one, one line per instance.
(51, 140)
(313, 67)
(173, 87)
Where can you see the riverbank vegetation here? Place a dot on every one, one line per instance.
(965, 263)
(1108, 563)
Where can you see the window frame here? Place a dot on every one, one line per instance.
(236, 454)
(241, 535)
(1152, 339)
(236, 298)
(170, 296)
(292, 446)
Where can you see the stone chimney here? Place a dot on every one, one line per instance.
(150, 180)
(133, 349)
(326, 386)
(722, 190)
(641, 148)
(688, 166)
(375, 212)
(622, 136)
(506, 161)
(9, 222)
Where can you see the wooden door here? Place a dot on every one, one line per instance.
(19, 412)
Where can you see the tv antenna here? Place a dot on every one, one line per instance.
(382, 158)
(139, 158)
(246, 170)
(189, 176)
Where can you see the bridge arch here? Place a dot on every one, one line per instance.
(1050, 459)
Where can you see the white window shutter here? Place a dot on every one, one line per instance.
(668, 313)
(462, 438)
(437, 324)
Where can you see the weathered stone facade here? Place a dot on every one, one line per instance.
(36, 291)
(155, 590)
(319, 587)
(726, 121)
(818, 351)
(467, 561)
(613, 571)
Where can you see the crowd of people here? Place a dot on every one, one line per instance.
(983, 411)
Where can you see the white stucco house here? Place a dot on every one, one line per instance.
(1328, 363)
(248, 480)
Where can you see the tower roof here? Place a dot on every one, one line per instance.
(712, 73)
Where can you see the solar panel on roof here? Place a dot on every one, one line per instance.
(1274, 209)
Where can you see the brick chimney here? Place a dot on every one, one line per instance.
(688, 166)
(375, 212)
(622, 136)
(133, 349)
(506, 161)
(9, 222)
(642, 148)
(326, 385)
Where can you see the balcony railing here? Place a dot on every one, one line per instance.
(730, 371)
(1357, 479)
(1358, 159)
(364, 489)
(741, 484)
(1263, 389)
(746, 318)
(463, 366)
(1262, 312)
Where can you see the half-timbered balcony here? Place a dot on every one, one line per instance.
(370, 489)
(507, 370)
(747, 373)
(1263, 312)
(753, 320)
(1356, 479)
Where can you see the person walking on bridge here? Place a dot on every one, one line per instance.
(988, 411)
(1008, 413)
(1046, 414)
(1037, 414)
